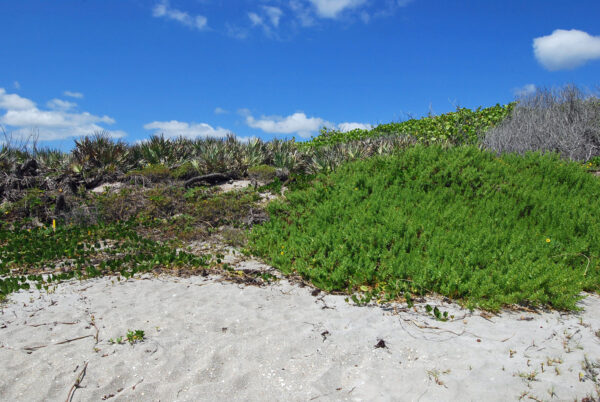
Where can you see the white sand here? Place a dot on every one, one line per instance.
(211, 340)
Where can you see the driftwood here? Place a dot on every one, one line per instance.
(210, 179)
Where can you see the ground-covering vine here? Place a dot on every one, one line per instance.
(465, 126)
(486, 230)
(45, 255)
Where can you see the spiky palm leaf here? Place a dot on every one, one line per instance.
(99, 154)
(52, 159)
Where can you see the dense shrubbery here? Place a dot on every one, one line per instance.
(446, 218)
(460, 222)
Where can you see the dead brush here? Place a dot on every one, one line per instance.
(566, 121)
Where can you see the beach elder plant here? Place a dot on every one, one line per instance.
(487, 231)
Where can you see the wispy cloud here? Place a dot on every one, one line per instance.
(176, 128)
(564, 49)
(164, 10)
(255, 19)
(22, 116)
(236, 31)
(274, 14)
(219, 110)
(333, 8)
(17, 85)
(70, 94)
(281, 18)
(524, 90)
(302, 12)
(59, 104)
(267, 18)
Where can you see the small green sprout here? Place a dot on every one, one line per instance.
(135, 336)
(118, 341)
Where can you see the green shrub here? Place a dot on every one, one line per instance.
(465, 126)
(185, 171)
(262, 173)
(152, 172)
(34, 203)
(460, 222)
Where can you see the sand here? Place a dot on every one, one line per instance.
(206, 339)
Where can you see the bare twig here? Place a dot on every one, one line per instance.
(53, 323)
(93, 323)
(34, 348)
(74, 339)
(77, 382)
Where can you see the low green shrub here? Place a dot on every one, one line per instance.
(152, 172)
(262, 173)
(485, 230)
(185, 171)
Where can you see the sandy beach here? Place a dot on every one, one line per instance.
(208, 339)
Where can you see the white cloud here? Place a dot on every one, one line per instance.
(59, 104)
(303, 14)
(51, 118)
(176, 128)
(255, 18)
(268, 20)
(235, 31)
(219, 110)
(77, 95)
(244, 112)
(297, 123)
(524, 90)
(14, 101)
(22, 117)
(344, 127)
(566, 49)
(274, 14)
(332, 8)
(17, 85)
(163, 10)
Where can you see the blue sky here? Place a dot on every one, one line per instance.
(276, 68)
